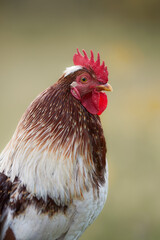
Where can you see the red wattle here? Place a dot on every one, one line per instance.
(102, 103)
(95, 102)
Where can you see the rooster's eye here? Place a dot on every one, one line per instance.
(83, 79)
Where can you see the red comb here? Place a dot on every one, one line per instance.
(100, 70)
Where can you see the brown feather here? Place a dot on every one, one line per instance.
(9, 235)
(55, 115)
(24, 199)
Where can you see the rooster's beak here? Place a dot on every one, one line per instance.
(106, 87)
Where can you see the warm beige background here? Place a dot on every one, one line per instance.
(37, 42)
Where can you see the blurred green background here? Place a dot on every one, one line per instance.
(37, 42)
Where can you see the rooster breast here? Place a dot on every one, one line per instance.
(66, 223)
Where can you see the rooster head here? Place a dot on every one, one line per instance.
(90, 80)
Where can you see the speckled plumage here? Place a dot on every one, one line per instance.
(54, 175)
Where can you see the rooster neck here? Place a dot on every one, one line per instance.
(57, 139)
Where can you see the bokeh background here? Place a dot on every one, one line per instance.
(37, 42)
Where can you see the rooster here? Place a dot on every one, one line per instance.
(53, 172)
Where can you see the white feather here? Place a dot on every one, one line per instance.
(71, 224)
(45, 173)
(72, 69)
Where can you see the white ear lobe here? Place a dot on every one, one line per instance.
(73, 84)
(75, 93)
(72, 69)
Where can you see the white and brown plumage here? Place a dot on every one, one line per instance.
(53, 172)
